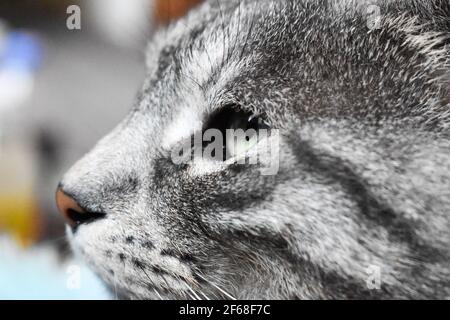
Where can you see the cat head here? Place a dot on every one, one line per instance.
(328, 99)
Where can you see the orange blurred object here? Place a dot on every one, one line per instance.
(19, 214)
(168, 10)
(19, 218)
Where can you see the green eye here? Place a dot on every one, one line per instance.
(240, 143)
(240, 130)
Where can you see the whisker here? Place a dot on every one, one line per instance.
(148, 277)
(188, 293)
(218, 288)
(165, 281)
(223, 32)
(193, 292)
(202, 88)
(115, 288)
(157, 293)
(238, 31)
(249, 34)
(201, 292)
(191, 296)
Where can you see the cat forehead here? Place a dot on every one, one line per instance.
(200, 45)
(198, 49)
(199, 72)
(212, 33)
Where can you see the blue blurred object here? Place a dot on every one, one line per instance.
(36, 274)
(21, 51)
(20, 56)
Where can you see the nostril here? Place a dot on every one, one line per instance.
(83, 217)
(73, 213)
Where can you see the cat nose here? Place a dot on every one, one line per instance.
(72, 212)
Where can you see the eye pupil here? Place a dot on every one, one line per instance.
(233, 117)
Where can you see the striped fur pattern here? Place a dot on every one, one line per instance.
(363, 188)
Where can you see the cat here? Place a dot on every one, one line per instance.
(357, 99)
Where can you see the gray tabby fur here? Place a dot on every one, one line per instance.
(364, 178)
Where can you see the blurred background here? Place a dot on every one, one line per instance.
(69, 71)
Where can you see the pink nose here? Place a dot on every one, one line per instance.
(72, 212)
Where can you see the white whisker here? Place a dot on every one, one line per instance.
(201, 292)
(115, 287)
(193, 292)
(157, 293)
(218, 288)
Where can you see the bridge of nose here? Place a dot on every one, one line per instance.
(109, 168)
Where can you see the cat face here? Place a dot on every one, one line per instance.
(340, 133)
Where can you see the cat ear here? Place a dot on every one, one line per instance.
(166, 11)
